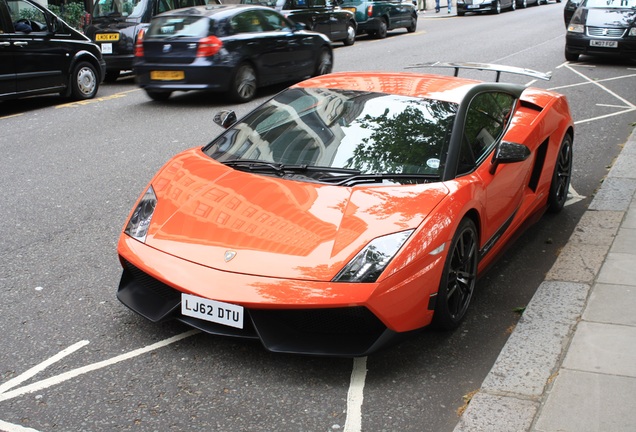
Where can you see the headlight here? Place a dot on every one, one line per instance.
(576, 28)
(632, 31)
(371, 261)
(139, 222)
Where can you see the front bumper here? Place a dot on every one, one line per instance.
(293, 316)
(576, 43)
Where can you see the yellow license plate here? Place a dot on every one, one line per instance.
(107, 37)
(167, 75)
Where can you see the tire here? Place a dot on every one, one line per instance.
(111, 75)
(244, 84)
(158, 95)
(413, 27)
(351, 35)
(513, 5)
(497, 10)
(458, 280)
(382, 30)
(561, 177)
(524, 4)
(570, 56)
(324, 64)
(84, 81)
(461, 13)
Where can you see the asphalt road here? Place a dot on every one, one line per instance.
(72, 358)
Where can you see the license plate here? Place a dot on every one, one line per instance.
(107, 48)
(212, 310)
(107, 37)
(472, 6)
(167, 75)
(604, 44)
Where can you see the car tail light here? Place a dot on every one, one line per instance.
(209, 46)
(139, 45)
(370, 11)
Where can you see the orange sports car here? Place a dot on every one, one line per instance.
(346, 210)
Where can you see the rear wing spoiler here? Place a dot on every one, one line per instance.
(499, 69)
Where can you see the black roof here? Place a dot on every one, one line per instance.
(216, 10)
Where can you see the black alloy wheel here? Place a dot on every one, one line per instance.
(459, 277)
(382, 30)
(561, 177)
(324, 65)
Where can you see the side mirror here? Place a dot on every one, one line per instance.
(225, 118)
(56, 25)
(509, 152)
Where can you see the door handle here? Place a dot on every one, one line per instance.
(19, 43)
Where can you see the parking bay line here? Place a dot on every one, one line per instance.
(353, 423)
(58, 379)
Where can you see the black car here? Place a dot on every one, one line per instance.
(41, 54)
(377, 17)
(227, 48)
(568, 10)
(490, 6)
(323, 16)
(602, 28)
(115, 24)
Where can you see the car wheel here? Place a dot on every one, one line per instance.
(524, 4)
(497, 7)
(243, 86)
(84, 82)
(461, 13)
(111, 75)
(561, 177)
(459, 277)
(158, 95)
(513, 6)
(570, 56)
(324, 64)
(382, 30)
(351, 35)
(413, 26)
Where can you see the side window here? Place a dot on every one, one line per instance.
(247, 22)
(26, 17)
(486, 121)
(274, 22)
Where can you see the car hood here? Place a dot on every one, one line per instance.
(610, 17)
(230, 220)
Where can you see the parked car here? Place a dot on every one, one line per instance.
(377, 17)
(603, 28)
(323, 16)
(115, 24)
(525, 3)
(227, 48)
(41, 54)
(490, 6)
(568, 10)
(348, 210)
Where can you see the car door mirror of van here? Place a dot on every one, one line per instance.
(57, 26)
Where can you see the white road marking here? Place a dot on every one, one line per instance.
(356, 395)
(40, 385)
(573, 196)
(10, 427)
(39, 368)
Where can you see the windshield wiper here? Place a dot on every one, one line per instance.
(282, 169)
(377, 178)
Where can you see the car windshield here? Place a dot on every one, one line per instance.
(366, 133)
(119, 8)
(613, 4)
(179, 26)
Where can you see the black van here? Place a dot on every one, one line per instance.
(115, 24)
(41, 54)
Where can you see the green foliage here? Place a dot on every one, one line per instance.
(71, 13)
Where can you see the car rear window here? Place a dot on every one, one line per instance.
(180, 27)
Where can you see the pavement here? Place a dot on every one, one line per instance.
(570, 363)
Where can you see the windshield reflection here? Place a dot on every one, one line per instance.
(375, 133)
